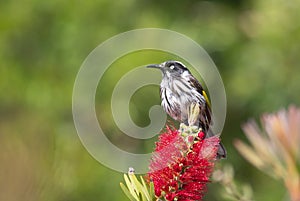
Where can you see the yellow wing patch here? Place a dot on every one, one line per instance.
(206, 98)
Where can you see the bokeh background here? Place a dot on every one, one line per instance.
(255, 45)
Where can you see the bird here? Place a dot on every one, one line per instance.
(178, 90)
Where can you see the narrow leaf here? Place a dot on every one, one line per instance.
(127, 193)
(130, 187)
(137, 185)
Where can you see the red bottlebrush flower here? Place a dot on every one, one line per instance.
(179, 169)
(168, 148)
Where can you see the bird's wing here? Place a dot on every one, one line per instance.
(207, 109)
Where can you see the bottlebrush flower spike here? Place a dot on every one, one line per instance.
(182, 163)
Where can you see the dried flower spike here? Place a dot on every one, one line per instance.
(276, 149)
(225, 176)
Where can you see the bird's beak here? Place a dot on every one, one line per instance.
(154, 66)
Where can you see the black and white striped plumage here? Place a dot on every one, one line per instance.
(178, 90)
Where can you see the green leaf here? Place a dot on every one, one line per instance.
(131, 187)
(151, 190)
(138, 186)
(136, 189)
(145, 189)
(127, 193)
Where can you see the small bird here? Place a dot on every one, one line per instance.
(178, 90)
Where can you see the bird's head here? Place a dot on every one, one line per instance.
(170, 68)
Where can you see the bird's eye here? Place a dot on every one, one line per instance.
(172, 67)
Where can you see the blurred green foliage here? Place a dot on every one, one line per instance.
(255, 44)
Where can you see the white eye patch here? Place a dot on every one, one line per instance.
(172, 67)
